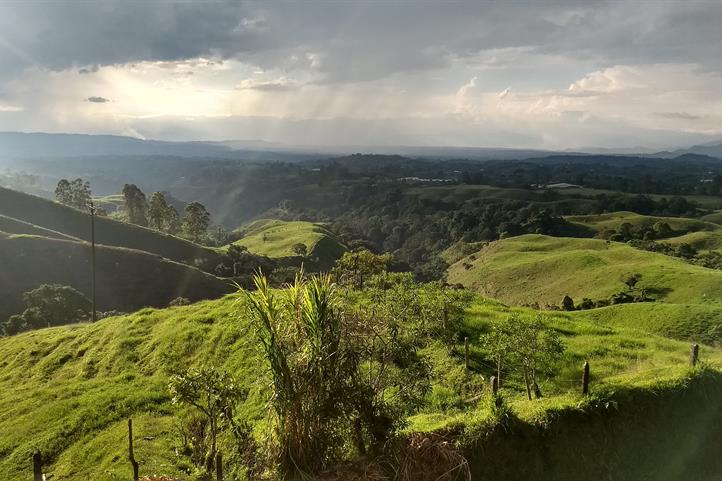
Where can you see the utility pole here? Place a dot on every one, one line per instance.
(92, 257)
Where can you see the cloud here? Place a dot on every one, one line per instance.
(10, 108)
(88, 70)
(677, 115)
(97, 100)
(356, 42)
(279, 85)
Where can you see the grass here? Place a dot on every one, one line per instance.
(539, 269)
(69, 390)
(536, 268)
(702, 234)
(127, 279)
(276, 238)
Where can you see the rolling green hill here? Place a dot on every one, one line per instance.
(700, 234)
(68, 390)
(127, 279)
(533, 269)
(276, 238)
(71, 222)
(613, 220)
(541, 270)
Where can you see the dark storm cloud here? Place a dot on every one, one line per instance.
(97, 100)
(348, 42)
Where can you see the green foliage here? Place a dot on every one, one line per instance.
(74, 193)
(529, 345)
(300, 249)
(162, 216)
(49, 305)
(313, 368)
(136, 205)
(355, 268)
(196, 221)
(213, 393)
(77, 385)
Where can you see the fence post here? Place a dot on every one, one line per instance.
(494, 385)
(585, 378)
(219, 467)
(466, 352)
(131, 456)
(37, 466)
(694, 355)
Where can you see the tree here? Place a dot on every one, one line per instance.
(75, 194)
(135, 205)
(528, 344)
(354, 268)
(567, 303)
(631, 280)
(215, 394)
(63, 193)
(196, 221)
(49, 305)
(300, 249)
(159, 212)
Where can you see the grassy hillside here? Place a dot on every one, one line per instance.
(613, 220)
(69, 390)
(127, 279)
(533, 269)
(15, 226)
(72, 222)
(699, 233)
(276, 238)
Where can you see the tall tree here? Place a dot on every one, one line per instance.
(196, 221)
(159, 212)
(63, 193)
(74, 193)
(135, 205)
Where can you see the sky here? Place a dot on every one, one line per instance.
(521, 74)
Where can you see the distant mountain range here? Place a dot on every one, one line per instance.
(18, 146)
(713, 149)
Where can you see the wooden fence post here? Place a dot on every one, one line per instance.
(131, 456)
(37, 466)
(694, 355)
(585, 378)
(219, 467)
(466, 352)
(494, 385)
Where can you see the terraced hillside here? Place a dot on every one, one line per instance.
(68, 390)
(71, 222)
(276, 239)
(127, 279)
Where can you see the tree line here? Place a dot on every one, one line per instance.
(156, 213)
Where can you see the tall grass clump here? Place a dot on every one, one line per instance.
(312, 369)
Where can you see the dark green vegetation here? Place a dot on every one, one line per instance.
(75, 223)
(127, 279)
